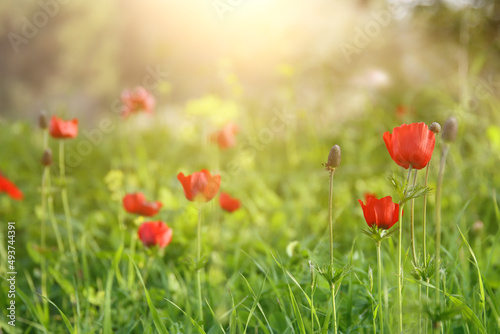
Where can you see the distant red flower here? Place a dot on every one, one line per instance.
(10, 188)
(381, 212)
(136, 203)
(410, 144)
(226, 137)
(137, 100)
(60, 128)
(200, 186)
(155, 233)
(402, 110)
(228, 203)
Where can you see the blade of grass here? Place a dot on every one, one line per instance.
(466, 311)
(65, 319)
(256, 303)
(28, 302)
(195, 324)
(160, 327)
(497, 238)
(215, 317)
(296, 310)
(481, 287)
(494, 305)
(311, 305)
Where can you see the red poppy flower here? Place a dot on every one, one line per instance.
(136, 203)
(228, 203)
(200, 186)
(10, 188)
(59, 128)
(381, 212)
(410, 144)
(155, 233)
(226, 137)
(137, 100)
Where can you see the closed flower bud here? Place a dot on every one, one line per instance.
(47, 157)
(333, 158)
(42, 119)
(435, 127)
(450, 128)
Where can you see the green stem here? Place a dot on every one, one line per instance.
(420, 313)
(426, 323)
(312, 313)
(400, 268)
(52, 216)
(64, 193)
(424, 218)
(439, 187)
(131, 269)
(380, 313)
(330, 224)
(330, 221)
(43, 237)
(334, 308)
(412, 221)
(198, 271)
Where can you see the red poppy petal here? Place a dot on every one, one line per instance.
(186, 184)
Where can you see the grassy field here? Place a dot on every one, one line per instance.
(261, 265)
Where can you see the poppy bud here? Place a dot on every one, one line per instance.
(333, 158)
(435, 127)
(450, 128)
(42, 119)
(47, 157)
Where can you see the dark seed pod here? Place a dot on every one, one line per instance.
(333, 158)
(42, 119)
(450, 128)
(47, 157)
(435, 127)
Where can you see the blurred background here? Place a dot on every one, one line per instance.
(333, 57)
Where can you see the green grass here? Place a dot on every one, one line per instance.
(257, 277)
